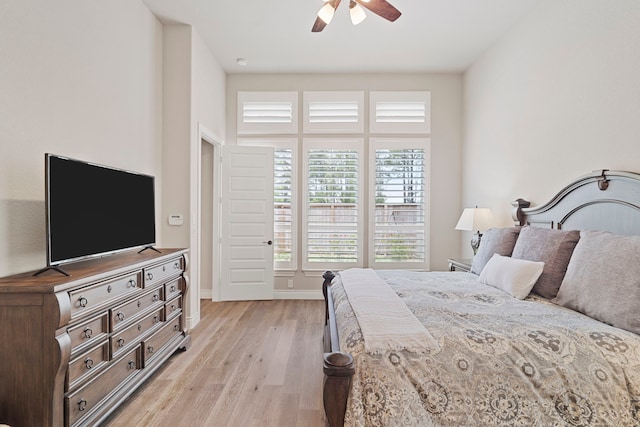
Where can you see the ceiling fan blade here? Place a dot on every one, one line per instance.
(382, 8)
(319, 24)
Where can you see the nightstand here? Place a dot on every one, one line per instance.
(457, 264)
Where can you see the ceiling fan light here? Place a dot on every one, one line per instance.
(356, 12)
(326, 13)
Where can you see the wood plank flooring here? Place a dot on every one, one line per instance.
(251, 363)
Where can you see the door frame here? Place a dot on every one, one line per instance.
(204, 135)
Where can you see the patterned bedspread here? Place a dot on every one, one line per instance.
(501, 362)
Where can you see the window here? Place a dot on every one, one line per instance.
(398, 214)
(267, 113)
(333, 112)
(363, 201)
(399, 112)
(332, 198)
(285, 156)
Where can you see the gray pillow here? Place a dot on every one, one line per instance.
(554, 248)
(603, 279)
(494, 241)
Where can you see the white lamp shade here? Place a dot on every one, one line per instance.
(326, 13)
(475, 219)
(357, 14)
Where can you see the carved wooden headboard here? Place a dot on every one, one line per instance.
(602, 200)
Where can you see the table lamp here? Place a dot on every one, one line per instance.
(478, 220)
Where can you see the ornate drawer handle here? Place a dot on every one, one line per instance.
(176, 265)
(139, 327)
(163, 268)
(132, 283)
(150, 349)
(173, 307)
(149, 276)
(120, 316)
(173, 288)
(155, 297)
(88, 363)
(131, 364)
(155, 319)
(176, 327)
(88, 332)
(82, 405)
(109, 289)
(139, 303)
(120, 342)
(83, 301)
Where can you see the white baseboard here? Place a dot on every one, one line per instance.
(286, 294)
(206, 294)
(277, 294)
(193, 320)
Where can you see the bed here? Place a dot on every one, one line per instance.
(560, 347)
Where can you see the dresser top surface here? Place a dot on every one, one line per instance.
(82, 272)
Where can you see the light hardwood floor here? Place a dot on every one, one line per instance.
(251, 363)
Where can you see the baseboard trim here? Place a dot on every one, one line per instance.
(206, 294)
(286, 294)
(193, 320)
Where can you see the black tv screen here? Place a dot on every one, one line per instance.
(95, 210)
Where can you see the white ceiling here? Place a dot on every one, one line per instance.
(275, 35)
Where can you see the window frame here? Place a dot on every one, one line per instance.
(330, 143)
(398, 143)
(309, 97)
(244, 128)
(376, 97)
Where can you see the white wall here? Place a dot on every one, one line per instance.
(446, 141)
(92, 81)
(77, 78)
(194, 94)
(558, 97)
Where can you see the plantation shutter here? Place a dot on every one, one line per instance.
(333, 112)
(333, 206)
(267, 112)
(264, 113)
(399, 224)
(283, 185)
(400, 112)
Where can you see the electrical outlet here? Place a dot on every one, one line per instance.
(290, 283)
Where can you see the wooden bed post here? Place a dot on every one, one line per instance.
(517, 214)
(338, 370)
(338, 366)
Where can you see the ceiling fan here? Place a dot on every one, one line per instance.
(380, 7)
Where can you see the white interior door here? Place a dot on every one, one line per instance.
(247, 223)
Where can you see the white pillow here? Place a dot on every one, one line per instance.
(512, 275)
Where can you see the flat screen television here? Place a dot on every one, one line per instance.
(94, 210)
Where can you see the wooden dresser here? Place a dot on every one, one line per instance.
(73, 348)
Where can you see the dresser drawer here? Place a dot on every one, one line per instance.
(81, 402)
(173, 308)
(87, 364)
(122, 340)
(154, 344)
(85, 299)
(155, 274)
(173, 288)
(122, 314)
(89, 332)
